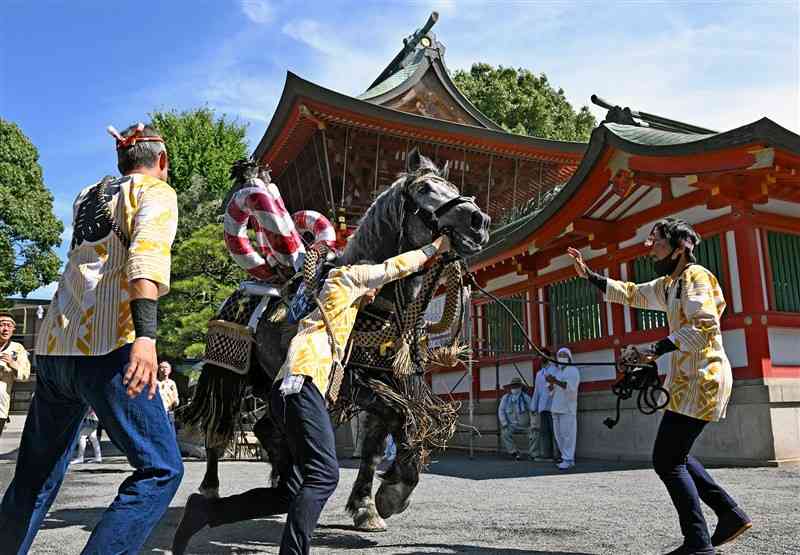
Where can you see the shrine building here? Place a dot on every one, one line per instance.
(740, 189)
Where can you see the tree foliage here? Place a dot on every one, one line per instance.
(202, 147)
(524, 103)
(29, 230)
(204, 275)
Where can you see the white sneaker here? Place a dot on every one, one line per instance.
(97, 459)
(565, 465)
(76, 461)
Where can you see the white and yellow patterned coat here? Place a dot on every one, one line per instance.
(90, 314)
(310, 350)
(699, 378)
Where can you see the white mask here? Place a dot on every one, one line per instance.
(563, 359)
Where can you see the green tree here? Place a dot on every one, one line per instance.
(204, 276)
(29, 230)
(524, 103)
(202, 147)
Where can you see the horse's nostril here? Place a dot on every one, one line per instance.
(476, 221)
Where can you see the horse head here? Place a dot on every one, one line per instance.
(418, 207)
(434, 206)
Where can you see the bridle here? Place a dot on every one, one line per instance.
(429, 218)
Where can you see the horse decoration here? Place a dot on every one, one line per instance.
(388, 350)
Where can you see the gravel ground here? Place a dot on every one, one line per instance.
(484, 505)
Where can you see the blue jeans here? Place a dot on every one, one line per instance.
(685, 478)
(66, 387)
(308, 476)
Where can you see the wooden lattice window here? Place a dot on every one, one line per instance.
(575, 309)
(784, 263)
(708, 254)
(502, 334)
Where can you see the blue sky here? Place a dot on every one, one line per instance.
(69, 69)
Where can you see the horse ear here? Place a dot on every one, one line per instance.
(445, 171)
(413, 160)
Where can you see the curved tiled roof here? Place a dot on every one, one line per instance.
(640, 141)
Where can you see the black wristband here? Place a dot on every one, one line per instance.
(663, 347)
(601, 282)
(145, 315)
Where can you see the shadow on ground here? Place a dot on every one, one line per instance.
(265, 533)
(492, 467)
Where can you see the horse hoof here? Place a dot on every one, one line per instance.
(209, 493)
(366, 520)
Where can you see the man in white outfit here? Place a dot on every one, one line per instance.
(565, 384)
(514, 414)
(544, 442)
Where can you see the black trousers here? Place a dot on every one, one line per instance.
(686, 480)
(308, 477)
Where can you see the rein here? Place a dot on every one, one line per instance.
(636, 376)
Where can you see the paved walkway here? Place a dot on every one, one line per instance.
(485, 505)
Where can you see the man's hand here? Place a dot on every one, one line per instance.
(442, 244)
(7, 358)
(142, 368)
(577, 261)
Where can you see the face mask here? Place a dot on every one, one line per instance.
(665, 266)
(564, 360)
(515, 391)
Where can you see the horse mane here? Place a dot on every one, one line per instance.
(384, 217)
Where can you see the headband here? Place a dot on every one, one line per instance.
(135, 137)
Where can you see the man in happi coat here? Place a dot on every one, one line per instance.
(699, 379)
(298, 398)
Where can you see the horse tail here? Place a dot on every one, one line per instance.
(216, 404)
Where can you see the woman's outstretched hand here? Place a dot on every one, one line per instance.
(577, 261)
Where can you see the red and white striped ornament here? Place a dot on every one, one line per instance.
(279, 243)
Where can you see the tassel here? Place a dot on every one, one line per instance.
(402, 359)
(450, 355)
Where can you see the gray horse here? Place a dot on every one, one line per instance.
(418, 206)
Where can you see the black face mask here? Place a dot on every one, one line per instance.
(665, 266)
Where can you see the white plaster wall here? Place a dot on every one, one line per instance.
(434, 314)
(682, 185)
(542, 333)
(693, 215)
(507, 371)
(505, 280)
(565, 260)
(733, 268)
(782, 207)
(443, 382)
(784, 346)
(735, 345)
(649, 200)
(595, 373)
(626, 310)
(609, 313)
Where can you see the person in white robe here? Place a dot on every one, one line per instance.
(565, 382)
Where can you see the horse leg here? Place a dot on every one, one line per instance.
(209, 487)
(397, 483)
(360, 505)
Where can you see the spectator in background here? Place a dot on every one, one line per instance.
(14, 365)
(514, 414)
(564, 383)
(168, 390)
(544, 442)
(88, 430)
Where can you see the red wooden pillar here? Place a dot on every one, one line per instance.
(752, 287)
